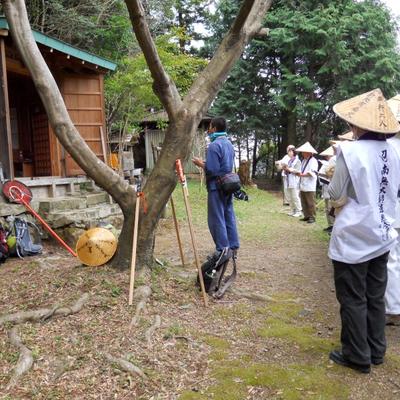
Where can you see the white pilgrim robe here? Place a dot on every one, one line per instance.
(392, 295)
(309, 183)
(363, 229)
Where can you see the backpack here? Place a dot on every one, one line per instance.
(4, 251)
(24, 245)
(213, 271)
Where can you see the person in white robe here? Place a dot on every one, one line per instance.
(281, 164)
(364, 191)
(324, 179)
(392, 295)
(292, 181)
(308, 182)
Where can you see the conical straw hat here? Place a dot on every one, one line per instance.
(96, 246)
(394, 104)
(306, 148)
(368, 111)
(328, 152)
(347, 136)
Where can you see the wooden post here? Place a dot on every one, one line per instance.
(6, 156)
(178, 236)
(134, 247)
(104, 149)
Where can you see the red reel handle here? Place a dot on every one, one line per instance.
(179, 171)
(16, 194)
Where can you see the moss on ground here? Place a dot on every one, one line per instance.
(231, 379)
(283, 322)
(292, 382)
(304, 338)
(237, 311)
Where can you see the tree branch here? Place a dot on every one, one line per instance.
(163, 85)
(25, 360)
(246, 25)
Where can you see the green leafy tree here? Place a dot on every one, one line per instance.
(317, 53)
(129, 93)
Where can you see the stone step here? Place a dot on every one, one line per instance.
(51, 205)
(69, 203)
(82, 217)
(7, 208)
(96, 198)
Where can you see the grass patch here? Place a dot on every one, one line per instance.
(260, 219)
(302, 337)
(216, 342)
(292, 382)
(174, 330)
(237, 311)
(283, 322)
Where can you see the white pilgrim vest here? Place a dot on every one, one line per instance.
(363, 229)
(395, 142)
(309, 183)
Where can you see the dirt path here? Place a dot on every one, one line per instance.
(238, 348)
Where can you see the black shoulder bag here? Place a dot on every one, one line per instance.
(229, 183)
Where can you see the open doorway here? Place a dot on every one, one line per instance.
(29, 129)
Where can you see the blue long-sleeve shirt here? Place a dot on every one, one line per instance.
(219, 160)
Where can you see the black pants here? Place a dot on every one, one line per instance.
(360, 290)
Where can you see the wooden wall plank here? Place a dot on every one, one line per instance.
(5, 124)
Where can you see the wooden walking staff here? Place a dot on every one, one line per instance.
(182, 179)
(178, 236)
(139, 194)
(156, 153)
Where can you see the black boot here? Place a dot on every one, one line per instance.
(337, 357)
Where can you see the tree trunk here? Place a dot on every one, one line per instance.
(239, 150)
(289, 115)
(254, 158)
(244, 173)
(309, 130)
(161, 183)
(184, 115)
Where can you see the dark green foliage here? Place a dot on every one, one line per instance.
(100, 26)
(317, 53)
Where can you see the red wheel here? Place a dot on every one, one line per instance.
(15, 191)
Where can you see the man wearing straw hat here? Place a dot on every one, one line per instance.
(392, 295)
(308, 181)
(364, 188)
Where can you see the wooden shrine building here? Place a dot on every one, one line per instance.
(28, 147)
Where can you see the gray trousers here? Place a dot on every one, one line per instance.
(360, 290)
(329, 218)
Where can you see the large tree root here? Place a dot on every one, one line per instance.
(149, 333)
(43, 314)
(251, 295)
(260, 297)
(143, 293)
(125, 365)
(25, 360)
